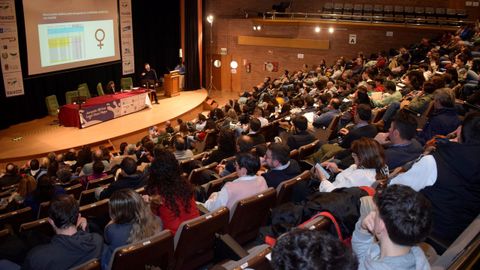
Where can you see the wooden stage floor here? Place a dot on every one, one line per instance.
(39, 137)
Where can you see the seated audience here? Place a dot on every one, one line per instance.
(332, 110)
(362, 128)
(400, 145)
(401, 220)
(171, 196)
(87, 169)
(45, 192)
(11, 176)
(247, 184)
(450, 179)
(311, 250)
(225, 149)
(281, 167)
(299, 135)
(369, 167)
(181, 151)
(444, 118)
(131, 221)
(255, 126)
(127, 177)
(71, 245)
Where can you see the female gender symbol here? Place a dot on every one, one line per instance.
(100, 39)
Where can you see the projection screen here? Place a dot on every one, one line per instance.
(65, 34)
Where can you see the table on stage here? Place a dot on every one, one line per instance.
(103, 108)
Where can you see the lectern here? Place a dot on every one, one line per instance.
(170, 84)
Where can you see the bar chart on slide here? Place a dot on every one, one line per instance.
(62, 43)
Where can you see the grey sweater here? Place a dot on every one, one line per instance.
(368, 253)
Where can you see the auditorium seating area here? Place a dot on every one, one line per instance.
(453, 59)
(358, 12)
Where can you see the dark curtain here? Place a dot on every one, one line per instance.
(192, 65)
(156, 26)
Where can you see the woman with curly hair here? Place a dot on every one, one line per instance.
(170, 194)
(131, 221)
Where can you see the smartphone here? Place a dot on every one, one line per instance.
(322, 170)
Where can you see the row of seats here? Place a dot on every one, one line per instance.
(82, 91)
(398, 10)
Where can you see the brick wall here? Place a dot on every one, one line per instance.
(369, 40)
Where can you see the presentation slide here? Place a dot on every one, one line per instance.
(69, 34)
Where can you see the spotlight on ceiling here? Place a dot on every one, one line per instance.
(318, 29)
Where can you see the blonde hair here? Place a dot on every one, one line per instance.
(127, 206)
(26, 185)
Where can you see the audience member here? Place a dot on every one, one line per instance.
(255, 126)
(127, 177)
(131, 221)
(450, 179)
(299, 136)
(369, 167)
(11, 176)
(400, 145)
(247, 184)
(281, 167)
(401, 220)
(170, 194)
(181, 150)
(311, 250)
(71, 245)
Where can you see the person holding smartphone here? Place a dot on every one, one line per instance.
(369, 167)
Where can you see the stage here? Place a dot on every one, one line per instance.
(39, 137)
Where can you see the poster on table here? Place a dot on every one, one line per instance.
(92, 115)
(9, 50)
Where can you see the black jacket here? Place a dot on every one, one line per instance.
(275, 177)
(455, 196)
(133, 181)
(65, 252)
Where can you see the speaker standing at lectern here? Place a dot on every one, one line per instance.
(149, 80)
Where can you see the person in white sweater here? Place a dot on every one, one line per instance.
(369, 166)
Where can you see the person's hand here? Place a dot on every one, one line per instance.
(82, 223)
(146, 198)
(332, 166)
(368, 223)
(343, 131)
(382, 138)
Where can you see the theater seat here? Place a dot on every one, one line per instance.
(249, 214)
(195, 238)
(202, 175)
(95, 210)
(100, 182)
(52, 105)
(126, 83)
(464, 252)
(307, 150)
(155, 252)
(74, 190)
(70, 95)
(286, 188)
(16, 218)
(256, 259)
(93, 264)
(100, 89)
(83, 90)
(323, 134)
(43, 210)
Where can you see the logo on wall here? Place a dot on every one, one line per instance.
(271, 66)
